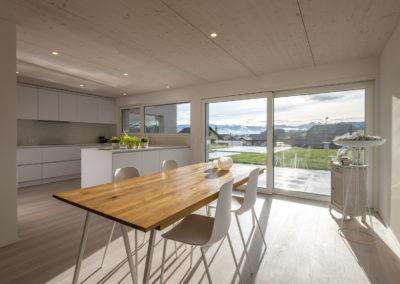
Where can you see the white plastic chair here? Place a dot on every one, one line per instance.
(122, 174)
(169, 165)
(241, 205)
(204, 231)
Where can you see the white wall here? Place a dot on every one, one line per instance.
(345, 72)
(8, 124)
(389, 186)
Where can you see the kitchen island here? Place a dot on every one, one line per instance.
(98, 165)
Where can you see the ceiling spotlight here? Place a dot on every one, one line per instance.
(124, 94)
(17, 72)
(125, 74)
(213, 35)
(54, 53)
(167, 86)
(81, 85)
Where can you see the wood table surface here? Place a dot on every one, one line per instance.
(157, 200)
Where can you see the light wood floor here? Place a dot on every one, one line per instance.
(303, 247)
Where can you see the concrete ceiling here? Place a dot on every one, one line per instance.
(167, 42)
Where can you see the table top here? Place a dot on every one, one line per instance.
(157, 200)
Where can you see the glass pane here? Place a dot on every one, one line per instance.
(304, 127)
(238, 129)
(171, 118)
(130, 120)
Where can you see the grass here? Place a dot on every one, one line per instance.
(317, 159)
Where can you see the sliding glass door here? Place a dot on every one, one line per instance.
(238, 129)
(296, 127)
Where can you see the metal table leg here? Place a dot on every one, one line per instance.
(81, 248)
(129, 254)
(149, 258)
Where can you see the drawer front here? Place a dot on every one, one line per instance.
(29, 172)
(60, 169)
(29, 156)
(55, 154)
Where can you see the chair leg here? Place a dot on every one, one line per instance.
(252, 218)
(108, 243)
(203, 255)
(191, 255)
(163, 261)
(259, 227)
(136, 252)
(243, 241)
(234, 257)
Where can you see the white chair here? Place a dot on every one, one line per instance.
(169, 165)
(122, 174)
(241, 205)
(204, 231)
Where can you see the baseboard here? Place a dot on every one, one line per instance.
(47, 180)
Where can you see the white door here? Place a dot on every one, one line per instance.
(68, 105)
(48, 104)
(27, 102)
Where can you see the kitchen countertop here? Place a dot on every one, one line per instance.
(65, 145)
(151, 148)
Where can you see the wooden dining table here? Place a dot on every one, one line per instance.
(152, 202)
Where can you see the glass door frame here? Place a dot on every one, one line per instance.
(371, 154)
(255, 95)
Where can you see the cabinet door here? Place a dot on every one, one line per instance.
(150, 162)
(27, 103)
(337, 189)
(59, 169)
(55, 154)
(106, 111)
(29, 172)
(131, 159)
(181, 156)
(29, 156)
(87, 109)
(48, 104)
(68, 106)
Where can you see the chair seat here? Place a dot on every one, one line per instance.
(237, 202)
(194, 229)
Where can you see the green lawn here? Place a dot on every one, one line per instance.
(317, 159)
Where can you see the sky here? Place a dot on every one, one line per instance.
(341, 106)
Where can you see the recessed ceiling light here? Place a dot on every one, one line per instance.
(125, 74)
(167, 86)
(213, 35)
(54, 53)
(124, 94)
(81, 85)
(17, 72)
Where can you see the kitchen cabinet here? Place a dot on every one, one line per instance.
(48, 104)
(150, 162)
(68, 107)
(52, 170)
(27, 102)
(181, 156)
(29, 173)
(54, 154)
(106, 111)
(129, 159)
(88, 109)
(29, 156)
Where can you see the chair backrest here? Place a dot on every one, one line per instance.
(250, 194)
(222, 219)
(125, 173)
(169, 165)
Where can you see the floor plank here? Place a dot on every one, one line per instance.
(304, 246)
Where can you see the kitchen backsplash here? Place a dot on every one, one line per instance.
(35, 132)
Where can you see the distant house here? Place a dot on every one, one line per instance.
(318, 135)
(185, 130)
(213, 136)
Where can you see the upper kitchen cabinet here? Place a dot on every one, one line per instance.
(106, 111)
(48, 104)
(27, 102)
(68, 107)
(88, 108)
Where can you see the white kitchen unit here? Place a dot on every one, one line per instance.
(38, 103)
(44, 164)
(68, 107)
(99, 165)
(48, 104)
(27, 102)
